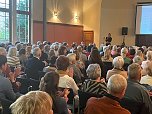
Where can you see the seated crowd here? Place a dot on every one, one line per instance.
(111, 73)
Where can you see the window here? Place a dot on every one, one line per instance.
(4, 4)
(23, 20)
(4, 21)
(21, 13)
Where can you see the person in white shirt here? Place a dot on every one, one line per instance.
(147, 79)
(66, 75)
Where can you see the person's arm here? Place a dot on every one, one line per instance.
(73, 85)
(147, 101)
(15, 87)
(64, 106)
(9, 93)
(41, 65)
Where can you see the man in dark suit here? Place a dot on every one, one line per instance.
(34, 64)
(108, 39)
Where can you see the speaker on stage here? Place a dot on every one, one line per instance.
(124, 30)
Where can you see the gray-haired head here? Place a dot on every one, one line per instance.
(148, 68)
(114, 48)
(149, 55)
(124, 52)
(139, 53)
(93, 71)
(137, 59)
(36, 52)
(134, 72)
(117, 85)
(3, 51)
(12, 51)
(72, 58)
(118, 62)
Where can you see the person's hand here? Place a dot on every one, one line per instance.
(45, 63)
(69, 111)
(17, 71)
(70, 72)
(103, 80)
(18, 84)
(66, 92)
(11, 77)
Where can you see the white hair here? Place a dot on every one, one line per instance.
(12, 52)
(3, 51)
(36, 52)
(72, 57)
(116, 84)
(118, 62)
(114, 48)
(148, 68)
(149, 55)
(137, 59)
(124, 50)
(93, 71)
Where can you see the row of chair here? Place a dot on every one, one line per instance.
(28, 84)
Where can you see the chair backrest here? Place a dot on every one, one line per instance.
(125, 67)
(70, 97)
(24, 85)
(5, 105)
(34, 84)
(83, 98)
(133, 106)
(107, 66)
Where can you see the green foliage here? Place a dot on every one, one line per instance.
(22, 24)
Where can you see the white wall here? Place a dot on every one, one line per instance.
(118, 13)
(91, 17)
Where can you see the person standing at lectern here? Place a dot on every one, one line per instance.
(108, 39)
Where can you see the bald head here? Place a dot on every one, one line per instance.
(117, 85)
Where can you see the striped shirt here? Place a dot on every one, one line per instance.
(13, 61)
(91, 86)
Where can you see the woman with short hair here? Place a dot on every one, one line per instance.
(118, 63)
(34, 102)
(144, 63)
(66, 75)
(94, 84)
(147, 79)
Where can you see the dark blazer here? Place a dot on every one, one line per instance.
(44, 56)
(33, 66)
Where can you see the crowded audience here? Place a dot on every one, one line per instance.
(57, 68)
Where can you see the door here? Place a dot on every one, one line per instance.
(88, 37)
